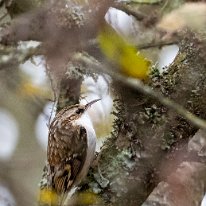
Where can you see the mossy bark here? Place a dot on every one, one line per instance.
(146, 131)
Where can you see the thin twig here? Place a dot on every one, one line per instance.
(157, 44)
(11, 55)
(136, 14)
(3, 16)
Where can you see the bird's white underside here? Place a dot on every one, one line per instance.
(85, 121)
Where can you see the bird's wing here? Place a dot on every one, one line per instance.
(66, 155)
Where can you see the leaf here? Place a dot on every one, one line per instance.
(48, 196)
(88, 198)
(122, 54)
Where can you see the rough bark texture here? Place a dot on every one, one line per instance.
(146, 133)
(184, 187)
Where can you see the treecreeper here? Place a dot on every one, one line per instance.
(71, 148)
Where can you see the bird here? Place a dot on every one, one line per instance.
(71, 148)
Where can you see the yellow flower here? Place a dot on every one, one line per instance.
(87, 198)
(123, 54)
(48, 196)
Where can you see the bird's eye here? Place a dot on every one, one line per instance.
(79, 111)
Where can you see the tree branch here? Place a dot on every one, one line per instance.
(146, 130)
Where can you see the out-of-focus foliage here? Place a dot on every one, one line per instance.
(27, 89)
(87, 198)
(123, 54)
(26, 101)
(189, 15)
(48, 196)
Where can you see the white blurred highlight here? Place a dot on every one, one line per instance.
(121, 22)
(35, 67)
(167, 56)
(203, 203)
(41, 127)
(99, 111)
(35, 70)
(9, 134)
(6, 198)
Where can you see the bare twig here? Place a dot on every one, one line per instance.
(11, 55)
(158, 44)
(3, 16)
(138, 15)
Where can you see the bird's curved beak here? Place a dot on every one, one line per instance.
(90, 103)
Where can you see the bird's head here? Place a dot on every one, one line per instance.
(76, 111)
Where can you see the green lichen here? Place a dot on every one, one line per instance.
(153, 114)
(168, 140)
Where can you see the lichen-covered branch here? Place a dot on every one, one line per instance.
(145, 131)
